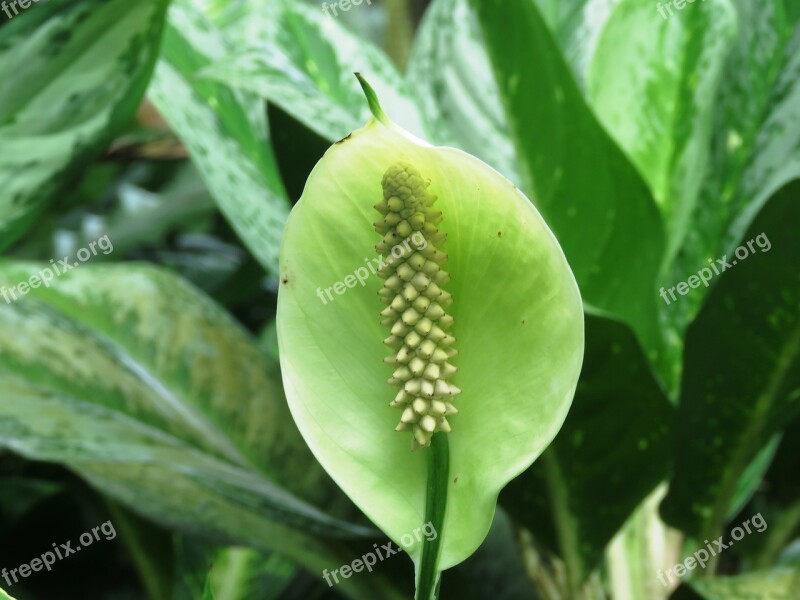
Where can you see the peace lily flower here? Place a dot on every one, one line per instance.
(421, 292)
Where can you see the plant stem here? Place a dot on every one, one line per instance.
(428, 576)
(564, 524)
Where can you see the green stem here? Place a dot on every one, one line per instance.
(428, 577)
(564, 523)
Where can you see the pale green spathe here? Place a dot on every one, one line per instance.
(517, 318)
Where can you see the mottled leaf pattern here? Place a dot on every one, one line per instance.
(132, 379)
(297, 58)
(224, 130)
(71, 77)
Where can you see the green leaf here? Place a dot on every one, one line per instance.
(741, 372)
(4, 596)
(132, 379)
(576, 25)
(302, 61)
(652, 84)
(778, 584)
(71, 77)
(755, 149)
(224, 131)
(597, 204)
(752, 477)
(520, 340)
(208, 592)
(616, 438)
(243, 573)
(642, 547)
(453, 81)
(236, 573)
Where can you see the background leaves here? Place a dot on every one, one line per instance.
(596, 449)
(741, 374)
(687, 124)
(591, 196)
(185, 404)
(225, 131)
(286, 54)
(71, 78)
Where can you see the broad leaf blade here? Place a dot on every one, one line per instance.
(224, 131)
(741, 373)
(755, 149)
(132, 379)
(302, 61)
(453, 82)
(239, 573)
(652, 84)
(597, 204)
(71, 77)
(577, 25)
(645, 546)
(243, 573)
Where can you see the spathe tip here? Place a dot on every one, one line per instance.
(372, 100)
